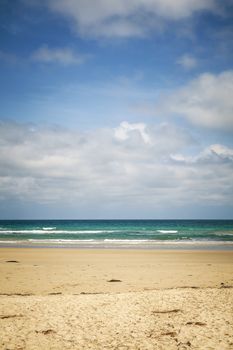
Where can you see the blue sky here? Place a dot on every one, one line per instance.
(116, 109)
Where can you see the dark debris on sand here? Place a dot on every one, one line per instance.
(47, 331)
(114, 280)
(166, 311)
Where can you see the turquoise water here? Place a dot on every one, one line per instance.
(118, 233)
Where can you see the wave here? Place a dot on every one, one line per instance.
(80, 241)
(59, 240)
(117, 242)
(11, 242)
(127, 240)
(49, 228)
(167, 231)
(223, 234)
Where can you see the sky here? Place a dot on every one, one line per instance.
(116, 109)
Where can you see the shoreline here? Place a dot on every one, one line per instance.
(164, 246)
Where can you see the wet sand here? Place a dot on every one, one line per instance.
(115, 299)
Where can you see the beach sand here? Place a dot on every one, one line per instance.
(115, 299)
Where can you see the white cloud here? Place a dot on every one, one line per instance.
(215, 153)
(124, 18)
(127, 165)
(205, 101)
(64, 56)
(123, 132)
(187, 61)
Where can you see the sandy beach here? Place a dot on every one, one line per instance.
(115, 299)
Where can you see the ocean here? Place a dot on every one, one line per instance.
(148, 234)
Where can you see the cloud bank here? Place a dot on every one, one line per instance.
(132, 164)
